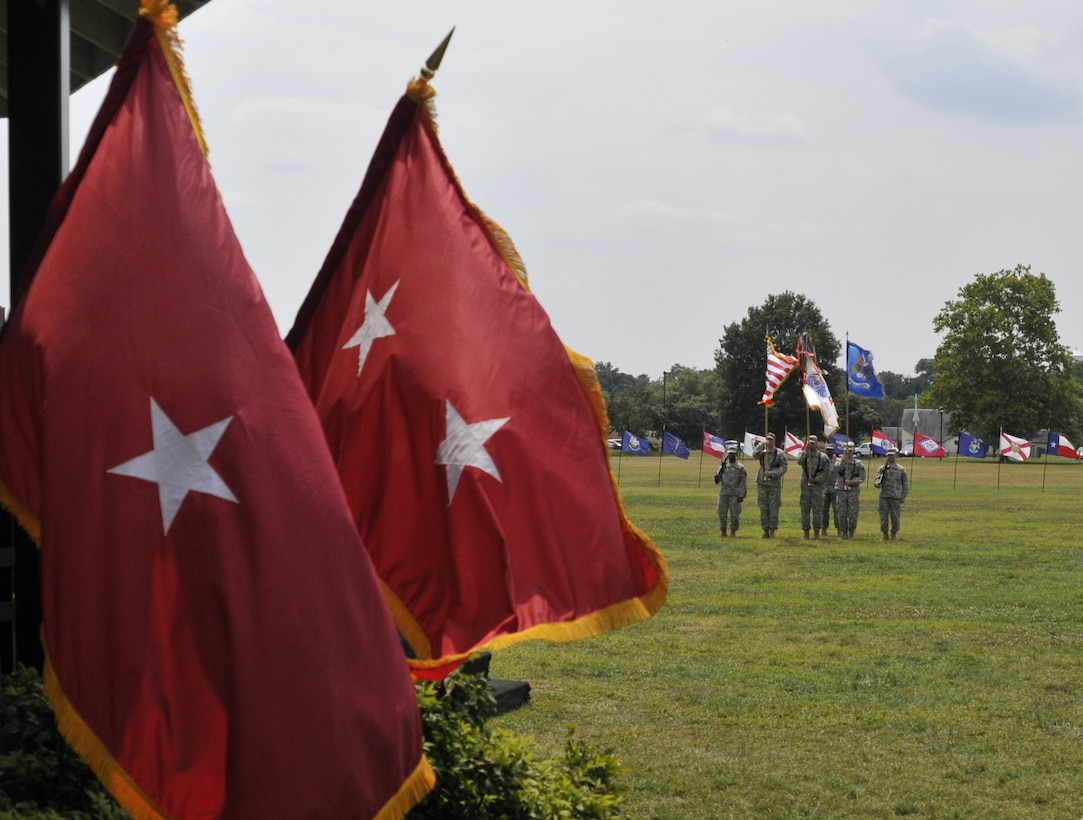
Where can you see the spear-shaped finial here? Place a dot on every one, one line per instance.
(433, 63)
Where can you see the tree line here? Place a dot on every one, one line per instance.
(1000, 365)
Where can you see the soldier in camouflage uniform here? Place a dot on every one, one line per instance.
(831, 510)
(814, 477)
(850, 476)
(769, 483)
(732, 481)
(894, 487)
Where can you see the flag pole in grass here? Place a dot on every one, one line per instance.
(1000, 457)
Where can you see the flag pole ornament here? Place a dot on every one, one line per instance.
(432, 65)
(188, 515)
(525, 539)
(779, 368)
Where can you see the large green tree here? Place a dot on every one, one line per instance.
(741, 363)
(1001, 364)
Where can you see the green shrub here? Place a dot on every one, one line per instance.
(481, 773)
(40, 776)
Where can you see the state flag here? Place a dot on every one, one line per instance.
(216, 641)
(1013, 447)
(794, 445)
(1060, 446)
(971, 446)
(674, 445)
(882, 443)
(839, 441)
(751, 442)
(927, 446)
(470, 442)
(713, 445)
(635, 445)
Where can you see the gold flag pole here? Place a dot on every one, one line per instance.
(432, 65)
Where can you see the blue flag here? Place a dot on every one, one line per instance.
(838, 442)
(675, 445)
(971, 446)
(861, 377)
(635, 445)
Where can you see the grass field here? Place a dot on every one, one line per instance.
(938, 675)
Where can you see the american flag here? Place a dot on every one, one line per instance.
(779, 367)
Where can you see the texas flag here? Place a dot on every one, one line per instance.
(713, 445)
(927, 447)
(794, 445)
(1013, 447)
(1060, 446)
(881, 443)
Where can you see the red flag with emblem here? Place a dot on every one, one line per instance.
(216, 641)
(470, 441)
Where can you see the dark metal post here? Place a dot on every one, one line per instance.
(38, 88)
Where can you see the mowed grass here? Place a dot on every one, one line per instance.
(939, 675)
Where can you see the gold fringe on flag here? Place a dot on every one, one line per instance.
(597, 623)
(163, 14)
(421, 92)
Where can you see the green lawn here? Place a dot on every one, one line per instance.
(938, 675)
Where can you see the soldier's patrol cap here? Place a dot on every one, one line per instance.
(891, 451)
(731, 448)
(849, 445)
(770, 436)
(812, 437)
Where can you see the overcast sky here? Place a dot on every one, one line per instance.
(662, 167)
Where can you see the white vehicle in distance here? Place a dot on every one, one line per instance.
(864, 449)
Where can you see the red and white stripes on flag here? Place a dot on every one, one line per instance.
(779, 367)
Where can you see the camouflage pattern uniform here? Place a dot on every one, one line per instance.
(732, 481)
(769, 485)
(814, 478)
(894, 486)
(830, 508)
(851, 475)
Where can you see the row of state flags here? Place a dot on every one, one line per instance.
(237, 534)
(639, 446)
(1012, 447)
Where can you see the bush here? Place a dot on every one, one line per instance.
(40, 776)
(481, 773)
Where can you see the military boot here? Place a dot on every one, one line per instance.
(885, 535)
(805, 535)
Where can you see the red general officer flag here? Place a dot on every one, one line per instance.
(470, 442)
(216, 641)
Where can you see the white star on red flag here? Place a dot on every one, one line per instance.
(375, 326)
(464, 446)
(178, 463)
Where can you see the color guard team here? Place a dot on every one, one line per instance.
(828, 485)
